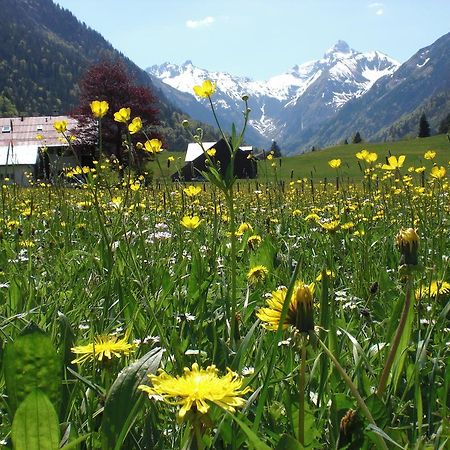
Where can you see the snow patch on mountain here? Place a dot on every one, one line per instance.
(319, 88)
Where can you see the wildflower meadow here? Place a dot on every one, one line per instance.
(226, 314)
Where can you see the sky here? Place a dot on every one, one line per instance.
(260, 38)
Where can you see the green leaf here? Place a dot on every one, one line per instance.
(31, 362)
(124, 400)
(235, 141)
(288, 443)
(253, 439)
(74, 445)
(378, 409)
(402, 349)
(381, 433)
(35, 425)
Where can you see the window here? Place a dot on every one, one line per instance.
(39, 128)
(6, 129)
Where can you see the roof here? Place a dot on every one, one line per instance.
(18, 154)
(194, 150)
(24, 130)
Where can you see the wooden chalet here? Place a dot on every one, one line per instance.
(195, 161)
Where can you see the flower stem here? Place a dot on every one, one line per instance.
(301, 389)
(354, 391)
(198, 436)
(230, 202)
(396, 341)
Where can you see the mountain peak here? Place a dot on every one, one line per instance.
(339, 47)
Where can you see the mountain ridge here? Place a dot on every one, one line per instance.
(340, 75)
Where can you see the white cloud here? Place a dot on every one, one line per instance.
(201, 23)
(377, 7)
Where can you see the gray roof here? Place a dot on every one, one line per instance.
(24, 130)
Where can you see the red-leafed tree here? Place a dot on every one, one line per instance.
(110, 81)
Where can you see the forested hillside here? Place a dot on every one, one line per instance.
(43, 53)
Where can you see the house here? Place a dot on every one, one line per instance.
(30, 146)
(195, 161)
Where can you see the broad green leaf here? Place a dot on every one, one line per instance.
(124, 400)
(288, 443)
(253, 439)
(31, 362)
(35, 425)
(402, 349)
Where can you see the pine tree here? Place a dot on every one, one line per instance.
(357, 138)
(424, 127)
(275, 149)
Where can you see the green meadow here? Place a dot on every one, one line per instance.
(228, 314)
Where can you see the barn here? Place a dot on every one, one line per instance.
(195, 161)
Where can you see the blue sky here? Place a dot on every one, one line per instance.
(261, 38)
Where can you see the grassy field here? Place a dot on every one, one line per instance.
(315, 164)
(282, 318)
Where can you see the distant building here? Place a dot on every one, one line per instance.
(31, 145)
(195, 161)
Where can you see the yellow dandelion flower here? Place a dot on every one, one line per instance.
(135, 125)
(257, 274)
(394, 163)
(330, 226)
(335, 163)
(60, 126)
(153, 146)
(206, 89)
(192, 191)
(123, 115)
(27, 243)
(300, 311)
(197, 388)
(330, 274)
(190, 222)
(371, 157)
(211, 152)
(430, 154)
(312, 216)
(347, 225)
(434, 290)
(438, 172)
(243, 227)
(362, 155)
(99, 108)
(407, 241)
(116, 201)
(11, 224)
(103, 347)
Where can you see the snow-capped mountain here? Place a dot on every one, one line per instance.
(304, 96)
(391, 109)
